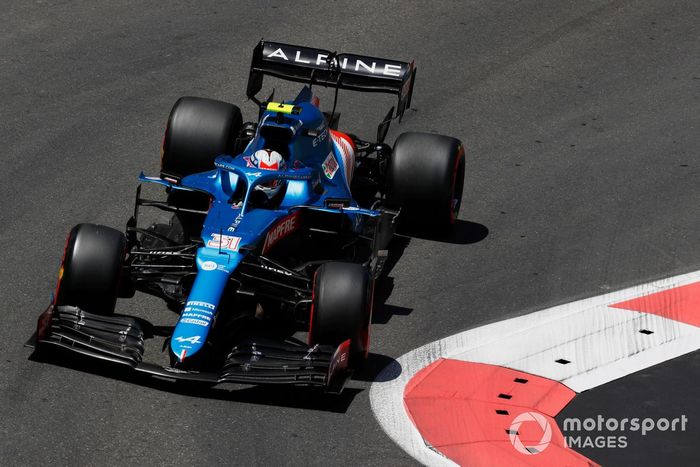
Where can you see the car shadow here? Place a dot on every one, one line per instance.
(378, 368)
(382, 368)
(462, 233)
(382, 312)
(384, 285)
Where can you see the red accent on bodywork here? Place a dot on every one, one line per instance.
(340, 134)
(346, 147)
(273, 166)
(44, 323)
(339, 361)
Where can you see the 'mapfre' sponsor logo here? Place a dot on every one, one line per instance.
(283, 228)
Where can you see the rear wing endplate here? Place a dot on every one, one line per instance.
(331, 69)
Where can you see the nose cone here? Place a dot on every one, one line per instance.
(192, 329)
(199, 312)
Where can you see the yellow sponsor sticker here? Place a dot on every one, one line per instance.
(282, 108)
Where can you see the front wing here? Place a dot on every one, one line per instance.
(120, 339)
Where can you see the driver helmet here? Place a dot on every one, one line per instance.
(267, 159)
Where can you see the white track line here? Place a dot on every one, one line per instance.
(601, 343)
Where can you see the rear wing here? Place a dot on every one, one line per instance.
(331, 69)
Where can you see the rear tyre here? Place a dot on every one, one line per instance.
(341, 308)
(426, 180)
(91, 269)
(198, 131)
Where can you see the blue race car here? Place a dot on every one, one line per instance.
(277, 227)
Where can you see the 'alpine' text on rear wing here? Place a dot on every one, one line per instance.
(326, 68)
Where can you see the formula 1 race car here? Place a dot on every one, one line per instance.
(278, 226)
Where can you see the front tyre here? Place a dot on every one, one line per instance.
(91, 268)
(426, 180)
(341, 308)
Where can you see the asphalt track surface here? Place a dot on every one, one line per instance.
(582, 124)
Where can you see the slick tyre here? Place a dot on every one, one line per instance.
(341, 308)
(91, 269)
(426, 179)
(198, 131)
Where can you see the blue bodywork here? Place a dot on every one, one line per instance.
(230, 231)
